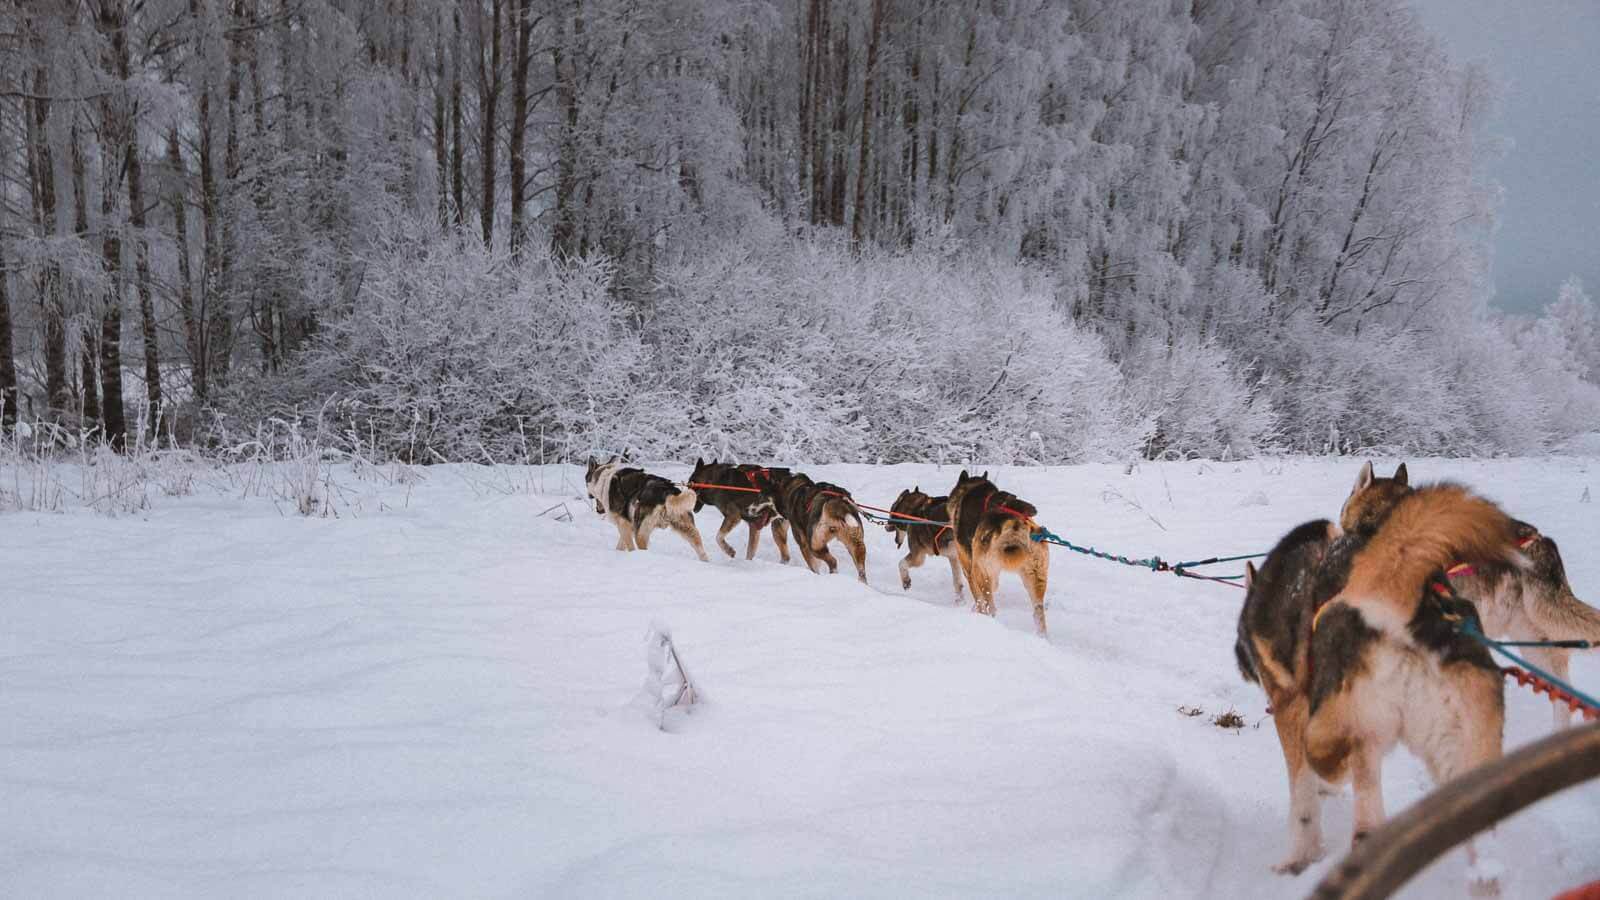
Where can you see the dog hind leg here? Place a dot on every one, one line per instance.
(856, 543)
(685, 527)
(1035, 577)
(624, 533)
(1367, 777)
(1305, 797)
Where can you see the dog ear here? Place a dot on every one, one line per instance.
(986, 475)
(962, 477)
(1402, 476)
(1249, 574)
(916, 489)
(1364, 480)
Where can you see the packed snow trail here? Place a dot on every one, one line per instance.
(435, 698)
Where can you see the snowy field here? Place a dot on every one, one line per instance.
(433, 695)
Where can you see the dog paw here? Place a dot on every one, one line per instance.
(729, 551)
(1300, 861)
(1483, 878)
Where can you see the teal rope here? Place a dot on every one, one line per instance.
(1470, 628)
(1218, 559)
(1574, 644)
(1153, 563)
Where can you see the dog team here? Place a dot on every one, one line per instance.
(1349, 626)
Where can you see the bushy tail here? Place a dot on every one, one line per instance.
(1557, 611)
(1015, 541)
(682, 503)
(1430, 531)
(843, 510)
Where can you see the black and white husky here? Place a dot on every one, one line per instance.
(638, 503)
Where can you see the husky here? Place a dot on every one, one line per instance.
(994, 533)
(818, 512)
(1530, 602)
(638, 503)
(924, 540)
(751, 506)
(1387, 664)
(1357, 652)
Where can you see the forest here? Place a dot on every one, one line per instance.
(795, 230)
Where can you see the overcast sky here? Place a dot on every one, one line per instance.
(1546, 56)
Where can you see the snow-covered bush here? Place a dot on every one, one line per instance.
(803, 351)
(452, 351)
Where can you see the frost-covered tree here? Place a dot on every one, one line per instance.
(886, 229)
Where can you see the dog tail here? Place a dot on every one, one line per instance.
(843, 510)
(683, 503)
(1015, 541)
(1554, 608)
(1247, 666)
(1428, 532)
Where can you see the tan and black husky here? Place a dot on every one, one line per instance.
(818, 512)
(994, 533)
(1358, 652)
(1532, 602)
(747, 503)
(922, 539)
(638, 503)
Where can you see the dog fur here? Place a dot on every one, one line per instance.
(756, 510)
(1344, 691)
(1273, 649)
(921, 539)
(817, 513)
(639, 503)
(1523, 600)
(990, 540)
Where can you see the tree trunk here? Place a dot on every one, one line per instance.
(841, 122)
(488, 105)
(147, 313)
(8, 357)
(564, 235)
(179, 203)
(88, 381)
(858, 225)
(457, 177)
(210, 316)
(819, 90)
(441, 154)
(117, 141)
(522, 16)
(42, 180)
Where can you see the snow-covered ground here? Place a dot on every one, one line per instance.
(433, 695)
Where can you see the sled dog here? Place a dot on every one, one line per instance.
(638, 503)
(1344, 688)
(818, 512)
(1530, 602)
(754, 509)
(921, 539)
(994, 533)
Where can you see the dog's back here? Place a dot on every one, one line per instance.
(819, 512)
(1280, 599)
(924, 536)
